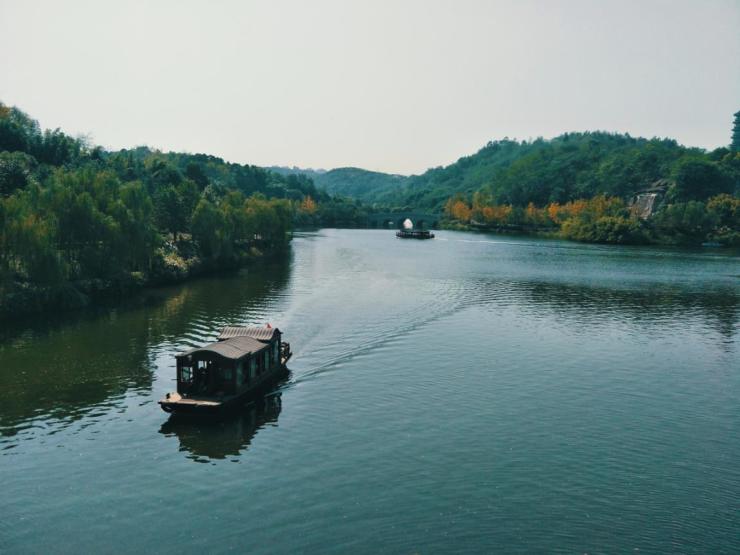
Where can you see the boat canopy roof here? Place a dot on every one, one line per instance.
(260, 334)
(233, 348)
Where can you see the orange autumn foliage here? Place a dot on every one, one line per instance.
(483, 210)
(308, 205)
(458, 209)
(553, 210)
(496, 214)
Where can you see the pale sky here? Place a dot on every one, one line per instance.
(396, 86)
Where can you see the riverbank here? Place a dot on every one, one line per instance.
(173, 263)
(617, 234)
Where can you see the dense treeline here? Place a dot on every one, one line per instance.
(356, 183)
(77, 219)
(509, 176)
(563, 169)
(604, 219)
(516, 185)
(593, 179)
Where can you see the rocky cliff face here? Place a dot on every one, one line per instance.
(645, 203)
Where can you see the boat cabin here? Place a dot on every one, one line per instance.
(241, 358)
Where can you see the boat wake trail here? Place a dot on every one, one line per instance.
(344, 338)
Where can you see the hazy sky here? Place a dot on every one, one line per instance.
(395, 86)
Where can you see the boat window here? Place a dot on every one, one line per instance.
(186, 374)
(276, 351)
(239, 373)
(267, 358)
(226, 373)
(252, 367)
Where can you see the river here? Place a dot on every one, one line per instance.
(470, 394)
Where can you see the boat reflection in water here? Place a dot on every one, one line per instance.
(218, 438)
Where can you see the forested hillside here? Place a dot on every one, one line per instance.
(566, 168)
(76, 220)
(583, 185)
(364, 185)
(579, 185)
(571, 166)
(294, 170)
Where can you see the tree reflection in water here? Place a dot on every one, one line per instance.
(68, 366)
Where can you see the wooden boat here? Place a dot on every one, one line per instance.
(244, 362)
(414, 234)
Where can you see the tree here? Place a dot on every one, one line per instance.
(308, 205)
(15, 171)
(698, 179)
(735, 144)
(195, 172)
(162, 173)
(174, 205)
(56, 148)
(458, 209)
(726, 210)
(136, 220)
(207, 230)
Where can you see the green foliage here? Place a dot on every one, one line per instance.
(604, 229)
(27, 242)
(566, 175)
(735, 143)
(70, 213)
(698, 179)
(220, 230)
(341, 212)
(16, 170)
(717, 220)
(208, 229)
(725, 210)
(603, 219)
(569, 167)
(688, 219)
(134, 213)
(19, 133)
(195, 173)
(359, 184)
(174, 204)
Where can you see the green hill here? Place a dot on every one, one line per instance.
(568, 167)
(77, 221)
(579, 185)
(364, 185)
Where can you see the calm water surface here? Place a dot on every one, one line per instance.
(468, 394)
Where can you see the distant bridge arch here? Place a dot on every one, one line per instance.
(390, 220)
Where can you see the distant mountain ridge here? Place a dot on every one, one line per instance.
(295, 170)
(357, 183)
(568, 167)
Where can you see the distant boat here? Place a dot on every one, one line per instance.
(244, 362)
(414, 234)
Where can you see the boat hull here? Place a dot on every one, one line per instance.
(405, 234)
(174, 403)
